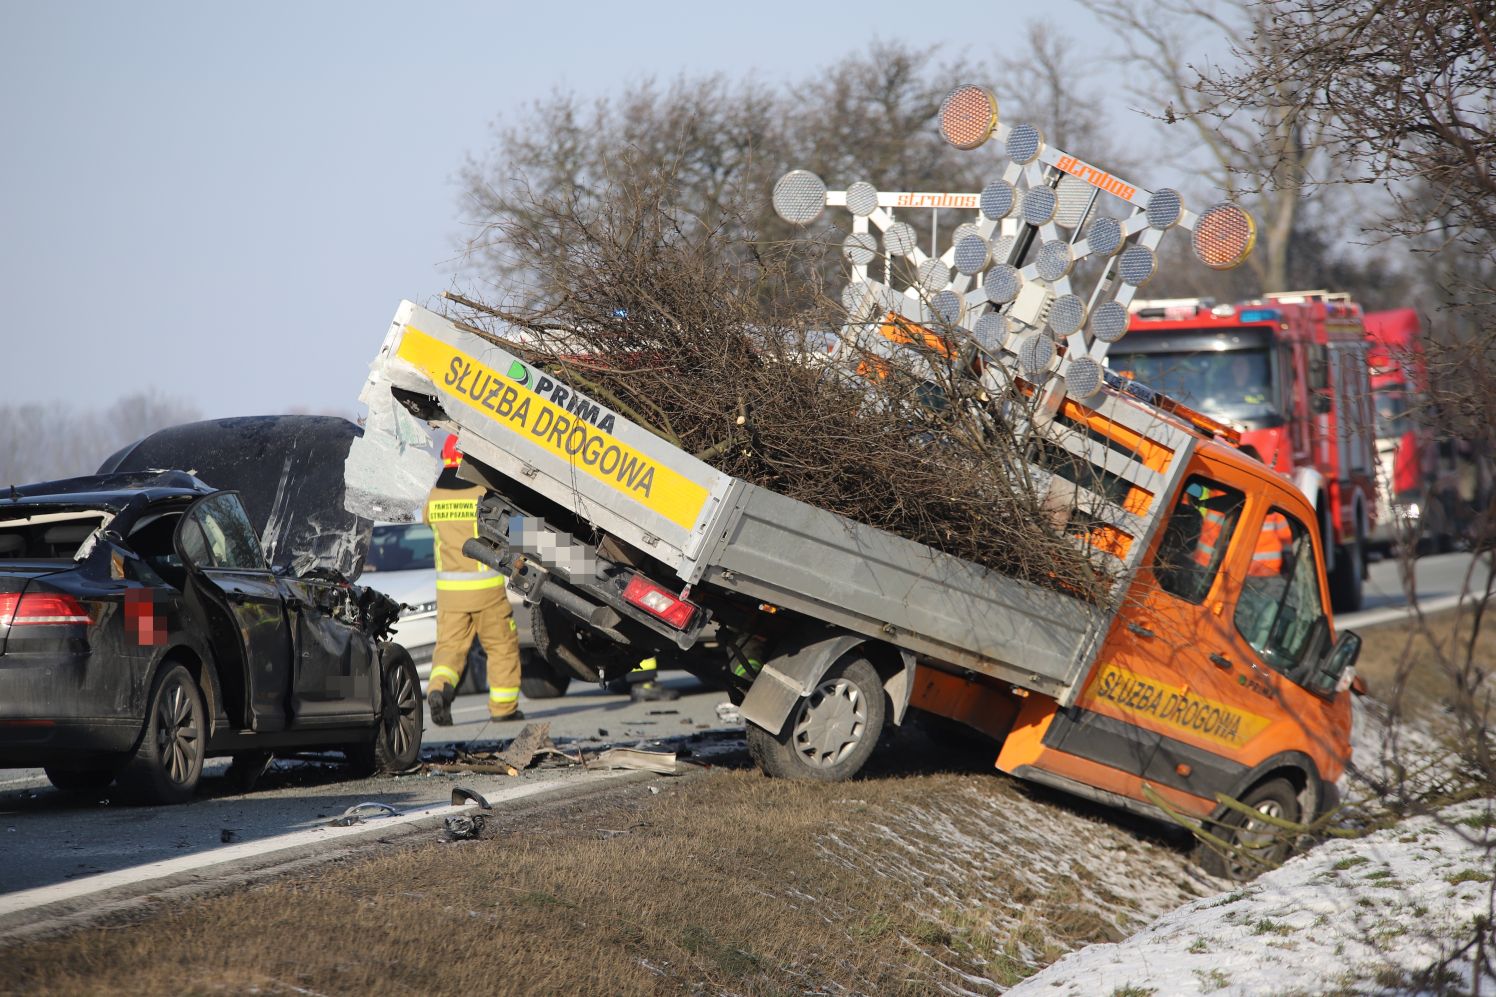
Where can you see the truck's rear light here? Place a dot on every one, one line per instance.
(658, 601)
(35, 609)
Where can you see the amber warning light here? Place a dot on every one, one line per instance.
(660, 602)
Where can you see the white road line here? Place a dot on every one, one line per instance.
(41, 896)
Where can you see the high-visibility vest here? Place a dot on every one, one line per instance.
(1212, 524)
(1273, 541)
(461, 582)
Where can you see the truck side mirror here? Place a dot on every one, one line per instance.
(1337, 663)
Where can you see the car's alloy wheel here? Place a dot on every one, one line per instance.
(395, 744)
(169, 759)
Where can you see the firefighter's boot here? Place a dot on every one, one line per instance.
(440, 702)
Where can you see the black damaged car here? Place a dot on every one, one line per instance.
(152, 618)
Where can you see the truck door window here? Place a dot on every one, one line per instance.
(1279, 601)
(1195, 539)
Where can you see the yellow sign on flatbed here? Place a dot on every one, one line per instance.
(587, 446)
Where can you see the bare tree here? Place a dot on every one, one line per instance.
(1260, 150)
(723, 143)
(1403, 94)
(41, 442)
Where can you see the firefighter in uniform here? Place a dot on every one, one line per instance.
(470, 600)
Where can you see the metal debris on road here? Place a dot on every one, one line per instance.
(533, 741)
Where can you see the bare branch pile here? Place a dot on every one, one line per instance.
(707, 340)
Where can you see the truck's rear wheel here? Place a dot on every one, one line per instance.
(831, 733)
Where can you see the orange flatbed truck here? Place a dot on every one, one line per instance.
(1208, 670)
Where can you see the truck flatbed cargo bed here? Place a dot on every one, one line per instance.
(717, 530)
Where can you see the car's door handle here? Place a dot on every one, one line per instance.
(1141, 630)
(1220, 660)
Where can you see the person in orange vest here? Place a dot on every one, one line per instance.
(470, 601)
(1274, 543)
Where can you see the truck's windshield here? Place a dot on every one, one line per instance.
(1393, 419)
(401, 547)
(1234, 384)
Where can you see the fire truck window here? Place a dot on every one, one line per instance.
(1280, 601)
(1195, 540)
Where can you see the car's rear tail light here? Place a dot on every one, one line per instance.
(659, 601)
(34, 609)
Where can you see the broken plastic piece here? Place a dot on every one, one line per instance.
(390, 468)
(632, 758)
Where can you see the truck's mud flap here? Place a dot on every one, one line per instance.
(796, 670)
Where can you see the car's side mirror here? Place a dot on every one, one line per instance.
(1338, 663)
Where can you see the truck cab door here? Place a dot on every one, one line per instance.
(241, 599)
(1281, 632)
(1155, 708)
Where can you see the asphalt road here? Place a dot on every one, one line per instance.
(48, 837)
(1439, 580)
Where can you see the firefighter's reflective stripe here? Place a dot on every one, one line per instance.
(503, 694)
(445, 675)
(467, 581)
(647, 665)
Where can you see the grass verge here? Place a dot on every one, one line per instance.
(722, 883)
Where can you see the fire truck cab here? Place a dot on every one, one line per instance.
(1291, 370)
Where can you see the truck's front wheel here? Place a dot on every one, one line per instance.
(830, 733)
(1346, 582)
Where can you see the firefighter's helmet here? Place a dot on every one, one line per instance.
(451, 456)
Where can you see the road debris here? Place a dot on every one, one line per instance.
(359, 811)
(728, 713)
(532, 739)
(467, 827)
(634, 758)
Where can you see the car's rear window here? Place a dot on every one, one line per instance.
(401, 547)
(47, 536)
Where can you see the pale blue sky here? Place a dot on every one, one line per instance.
(226, 202)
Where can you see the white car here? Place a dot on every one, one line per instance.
(402, 564)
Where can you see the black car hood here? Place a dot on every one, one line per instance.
(288, 471)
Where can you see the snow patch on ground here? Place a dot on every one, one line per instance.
(1357, 915)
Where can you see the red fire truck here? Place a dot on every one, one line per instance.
(1292, 371)
(1420, 500)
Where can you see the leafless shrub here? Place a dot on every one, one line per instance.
(1402, 96)
(709, 342)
